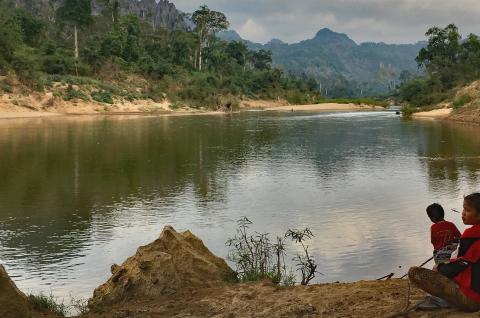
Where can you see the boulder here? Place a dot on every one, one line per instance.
(174, 263)
(13, 303)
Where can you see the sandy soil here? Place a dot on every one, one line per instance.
(262, 104)
(433, 114)
(360, 299)
(46, 105)
(324, 107)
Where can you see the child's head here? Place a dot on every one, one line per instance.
(435, 212)
(471, 209)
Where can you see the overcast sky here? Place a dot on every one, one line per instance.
(390, 21)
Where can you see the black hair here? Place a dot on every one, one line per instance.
(474, 201)
(435, 212)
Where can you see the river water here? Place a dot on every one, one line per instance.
(78, 194)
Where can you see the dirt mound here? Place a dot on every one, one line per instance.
(174, 263)
(13, 303)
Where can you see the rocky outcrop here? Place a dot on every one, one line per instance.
(174, 263)
(162, 14)
(13, 303)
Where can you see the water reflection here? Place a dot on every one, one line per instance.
(451, 155)
(79, 194)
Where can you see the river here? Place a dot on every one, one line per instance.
(78, 194)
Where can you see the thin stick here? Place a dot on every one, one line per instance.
(387, 277)
(423, 264)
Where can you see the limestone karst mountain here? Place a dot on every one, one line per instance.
(160, 14)
(340, 66)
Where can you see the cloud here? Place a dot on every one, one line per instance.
(391, 21)
(252, 31)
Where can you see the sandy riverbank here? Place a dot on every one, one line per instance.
(283, 106)
(325, 107)
(36, 105)
(433, 114)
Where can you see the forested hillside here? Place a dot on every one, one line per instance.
(102, 51)
(341, 67)
(451, 63)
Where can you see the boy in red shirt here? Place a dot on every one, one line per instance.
(458, 282)
(444, 234)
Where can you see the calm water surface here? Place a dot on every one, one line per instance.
(78, 194)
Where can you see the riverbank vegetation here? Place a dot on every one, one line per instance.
(108, 57)
(450, 63)
(257, 257)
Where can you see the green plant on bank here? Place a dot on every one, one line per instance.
(256, 257)
(50, 303)
(6, 88)
(408, 111)
(177, 105)
(72, 93)
(79, 305)
(305, 263)
(461, 101)
(102, 97)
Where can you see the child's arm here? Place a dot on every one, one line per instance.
(458, 265)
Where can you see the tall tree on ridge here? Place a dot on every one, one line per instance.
(207, 23)
(77, 13)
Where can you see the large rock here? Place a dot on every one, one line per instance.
(161, 14)
(175, 262)
(13, 303)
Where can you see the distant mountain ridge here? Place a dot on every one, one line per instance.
(160, 14)
(340, 65)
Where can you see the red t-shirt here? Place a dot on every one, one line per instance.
(443, 234)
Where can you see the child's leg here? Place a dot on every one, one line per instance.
(438, 285)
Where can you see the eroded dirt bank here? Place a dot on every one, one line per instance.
(177, 276)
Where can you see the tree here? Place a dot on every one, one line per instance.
(207, 23)
(261, 60)
(239, 51)
(112, 8)
(441, 56)
(77, 13)
(10, 35)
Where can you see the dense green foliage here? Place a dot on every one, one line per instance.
(449, 61)
(114, 51)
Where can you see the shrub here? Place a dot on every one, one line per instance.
(257, 257)
(6, 88)
(48, 303)
(408, 111)
(461, 101)
(72, 93)
(102, 97)
(305, 263)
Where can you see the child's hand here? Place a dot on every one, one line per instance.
(435, 268)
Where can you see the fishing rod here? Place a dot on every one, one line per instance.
(423, 264)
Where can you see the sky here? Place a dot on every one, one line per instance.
(389, 21)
